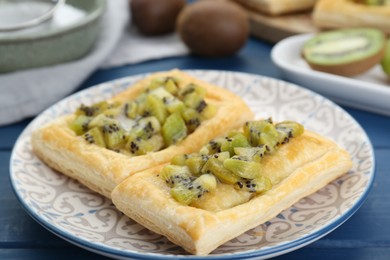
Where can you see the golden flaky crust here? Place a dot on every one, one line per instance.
(297, 169)
(101, 169)
(278, 7)
(348, 13)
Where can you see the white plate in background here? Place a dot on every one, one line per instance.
(369, 91)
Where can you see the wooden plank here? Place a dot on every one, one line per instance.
(276, 28)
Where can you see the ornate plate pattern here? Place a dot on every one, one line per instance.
(89, 220)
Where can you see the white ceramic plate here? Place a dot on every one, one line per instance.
(91, 221)
(369, 91)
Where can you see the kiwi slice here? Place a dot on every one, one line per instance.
(174, 129)
(192, 88)
(80, 124)
(261, 132)
(113, 135)
(345, 52)
(185, 193)
(216, 167)
(146, 127)
(180, 159)
(131, 109)
(95, 136)
(238, 140)
(192, 119)
(253, 153)
(140, 146)
(287, 130)
(156, 107)
(243, 167)
(257, 185)
(208, 112)
(175, 174)
(385, 62)
(196, 163)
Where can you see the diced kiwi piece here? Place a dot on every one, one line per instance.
(131, 109)
(385, 62)
(222, 156)
(192, 88)
(176, 174)
(80, 124)
(140, 146)
(112, 111)
(92, 110)
(215, 166)
(261, 132)
(174, 129)
(192, 119)
(95, 136)
(254, 153)
(239, 140)
(258, 185)
(208, 112)
(287, 130)
(212, 147)
(101, 120)
(346, 52)
(113, 134)
(195, 101)
(185, 194)
(243, 167)
(196, 163)
(171, 85)
(175, 105)
(180, 159)
(145, 127)
(156, 107)
(155, 83)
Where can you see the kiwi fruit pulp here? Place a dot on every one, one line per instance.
(234, 159)
(163, 114)
(345, 52)
(385, 62)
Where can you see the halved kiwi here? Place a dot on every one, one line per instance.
(345, 52)
(385, 62)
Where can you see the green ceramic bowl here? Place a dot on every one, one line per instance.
(70, 35)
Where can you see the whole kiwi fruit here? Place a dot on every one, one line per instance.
(213, 28)
(155, 17)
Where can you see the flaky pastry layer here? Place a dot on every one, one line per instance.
(101, 169)
(297, 169)
(347, 13)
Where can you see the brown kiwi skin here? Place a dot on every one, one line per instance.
(213, 28)
(353, 68)
(155, 17)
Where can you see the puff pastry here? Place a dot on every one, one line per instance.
(304, 165)
(278, 7)
(101, 169)
(349, 13)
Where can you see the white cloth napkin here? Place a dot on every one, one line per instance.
(27, 93)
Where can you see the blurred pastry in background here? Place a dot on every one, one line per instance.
(278, 7)
(352, 13)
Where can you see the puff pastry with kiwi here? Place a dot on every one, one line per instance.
(162, 115)
(234, 183)
(330, 14)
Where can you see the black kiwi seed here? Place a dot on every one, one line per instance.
(201, 106)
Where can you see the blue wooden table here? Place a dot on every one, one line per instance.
(366, 235)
